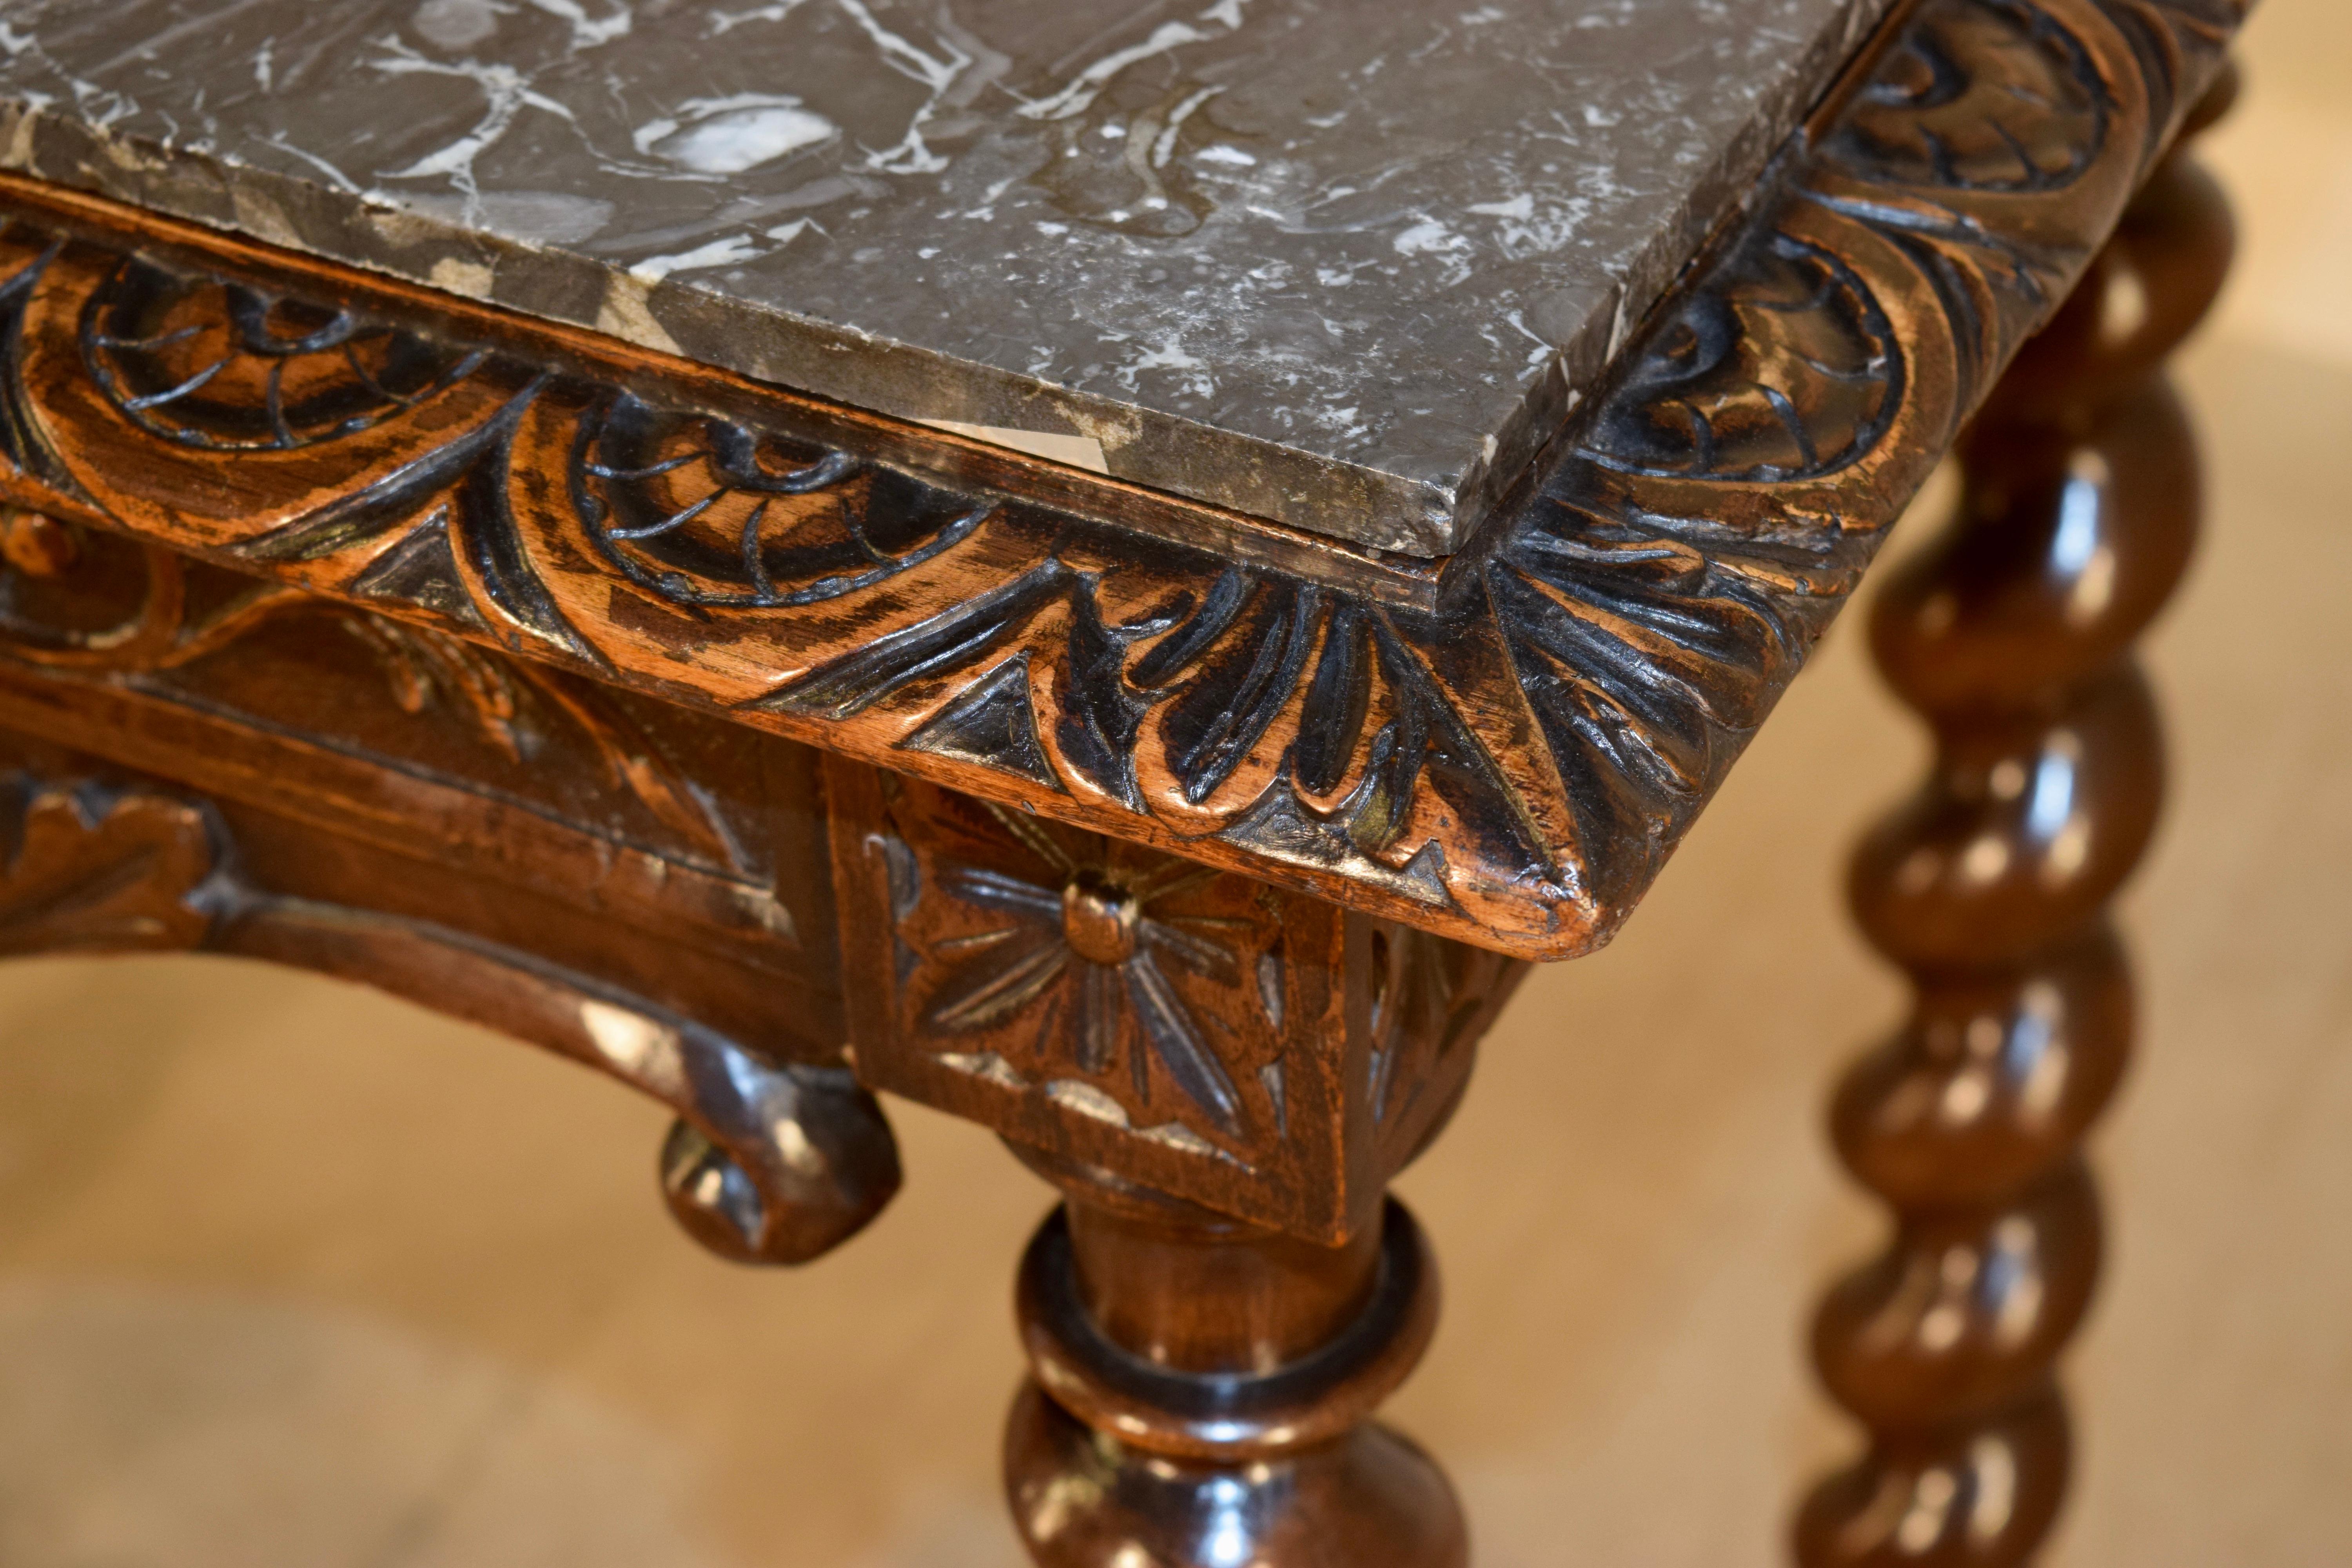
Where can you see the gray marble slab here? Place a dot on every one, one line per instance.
(1341, 263)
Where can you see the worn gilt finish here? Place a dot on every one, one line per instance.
(1506, 757)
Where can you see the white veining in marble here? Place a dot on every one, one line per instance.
(1338, 262)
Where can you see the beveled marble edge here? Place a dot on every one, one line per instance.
(1359, 503)
(1510, 768)
(673, 316)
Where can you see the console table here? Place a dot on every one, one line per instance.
(1120, 571)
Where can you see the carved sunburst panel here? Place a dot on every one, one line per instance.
(1132, 988)
(1206, 1035)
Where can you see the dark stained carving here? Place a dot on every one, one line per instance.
(770, 1162)
(227, 367)
(1510, 767)
(1935, 115)
(1429, 1000)
(1779, 367)
(1096, 952)
(773, 1160)
(1114, 983)
(706, 512)
(1262, 1054)
(994, 725)
(512, 705)
(472, 639)
(95, 870)
(691, 848)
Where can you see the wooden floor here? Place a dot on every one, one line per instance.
(291, 1274)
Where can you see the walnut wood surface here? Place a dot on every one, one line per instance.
(1269, 1056)
(2012, 636)
(770, 1162)
(498, 840)
(1184, 1051)
(662, 827)
(1202, 1392)
(350, 626)
(1504, 756)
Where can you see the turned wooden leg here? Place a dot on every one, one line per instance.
(1201, 1388)
(2012, 636)
(1222, 1078)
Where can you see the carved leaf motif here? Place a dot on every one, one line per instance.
(433, 671)
(89, 869)
(2177, 39)
(704, 511)
(509, 704)
(1994, 95)
(457, 490)
(1649, 652)
(223, 365)
(1285, 719)
(772, 1161)
(1509, 763)
(1779, 366)
(1430, 1000)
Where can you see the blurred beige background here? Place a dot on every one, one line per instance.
(291, 1274)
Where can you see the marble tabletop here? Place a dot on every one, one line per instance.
(1344, 264)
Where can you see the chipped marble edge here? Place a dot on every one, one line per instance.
(1163, 451)
(1264, 478)
(1723, 197)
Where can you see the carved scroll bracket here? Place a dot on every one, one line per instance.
(769, 1163)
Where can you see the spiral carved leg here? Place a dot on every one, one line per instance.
(1201, 1388)
(2012, 636)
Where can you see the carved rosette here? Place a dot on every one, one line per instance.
(1506, 759)
(1201, 1034)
